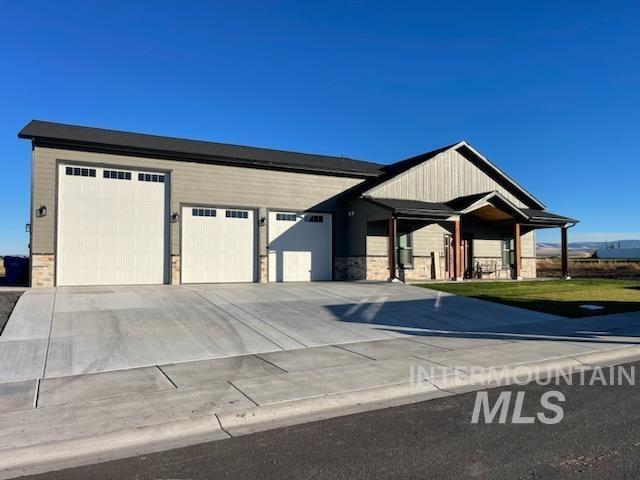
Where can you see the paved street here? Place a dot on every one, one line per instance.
(599, 438)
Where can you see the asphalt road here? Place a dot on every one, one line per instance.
(599, 437)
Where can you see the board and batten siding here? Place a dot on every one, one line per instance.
(190, 182)
(431, 239)
(427, 239)
(490, 246)
(446, 176)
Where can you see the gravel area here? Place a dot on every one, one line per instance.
(7, 302)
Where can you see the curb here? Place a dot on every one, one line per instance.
(143, 440)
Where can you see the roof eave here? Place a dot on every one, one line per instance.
(174, 155)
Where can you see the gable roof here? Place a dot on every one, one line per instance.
(114, 141)
(467, 151)
(468, 204)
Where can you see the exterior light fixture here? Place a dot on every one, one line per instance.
(41, 211)
(174, 217)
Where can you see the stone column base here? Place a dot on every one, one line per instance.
(42, 270)
(175, 270)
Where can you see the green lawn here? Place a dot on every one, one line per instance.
(560, 297)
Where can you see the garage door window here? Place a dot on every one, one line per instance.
(80, 172)
(203, 212)
(118, 175)
(150, 177)
(286, 217)
(314, 218)
(237, 214)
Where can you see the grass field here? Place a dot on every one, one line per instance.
(559, 297)
(590, 268)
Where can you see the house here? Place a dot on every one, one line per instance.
(118, 208)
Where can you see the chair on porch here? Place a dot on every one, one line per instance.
(491, 269)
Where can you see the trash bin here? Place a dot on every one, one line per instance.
(16, 270)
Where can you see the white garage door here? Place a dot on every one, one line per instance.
(111, 226)
(299, 247)
(218, 245)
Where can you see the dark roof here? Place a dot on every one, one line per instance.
(413, 207)
(542, 216)
(87, 138)
(460, 203)
(444, 210)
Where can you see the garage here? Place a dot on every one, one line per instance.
(300, 246)
(111, 226)
(218, 245)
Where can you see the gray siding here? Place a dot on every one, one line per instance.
(487, 244)
(191, 183)
(443, 178)
(429, 239)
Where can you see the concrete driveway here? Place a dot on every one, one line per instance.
(70, 331)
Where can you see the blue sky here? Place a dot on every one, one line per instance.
(549, 91)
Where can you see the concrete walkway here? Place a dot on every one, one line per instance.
(50, 421)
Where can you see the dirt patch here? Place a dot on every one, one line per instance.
(7, 302)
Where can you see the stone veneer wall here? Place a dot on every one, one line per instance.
(361, 268)
(175, 269)
(529, 267)
(42, 270)
(421, 270)
(350, 268)
(377, 268)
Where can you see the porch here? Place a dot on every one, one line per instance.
(482, 236)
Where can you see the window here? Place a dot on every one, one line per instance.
(286, 217)
(405, 250)
(203, 212)
(508, 254)
(314, 218)
(150, 177)
(237, 214)
(119, 175)
(80, 172)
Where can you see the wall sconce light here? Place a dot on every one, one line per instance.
(174, 217)
(41, 211)
(263, 221)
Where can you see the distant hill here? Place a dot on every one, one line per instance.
(582, 249)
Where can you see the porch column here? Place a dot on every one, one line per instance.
(517, 252)
(392, 247)
(457, 250)
(565, 252)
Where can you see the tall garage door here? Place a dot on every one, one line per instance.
(299, 247)
(218, 245)
(111, 226)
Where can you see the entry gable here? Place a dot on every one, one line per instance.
(455, 171)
